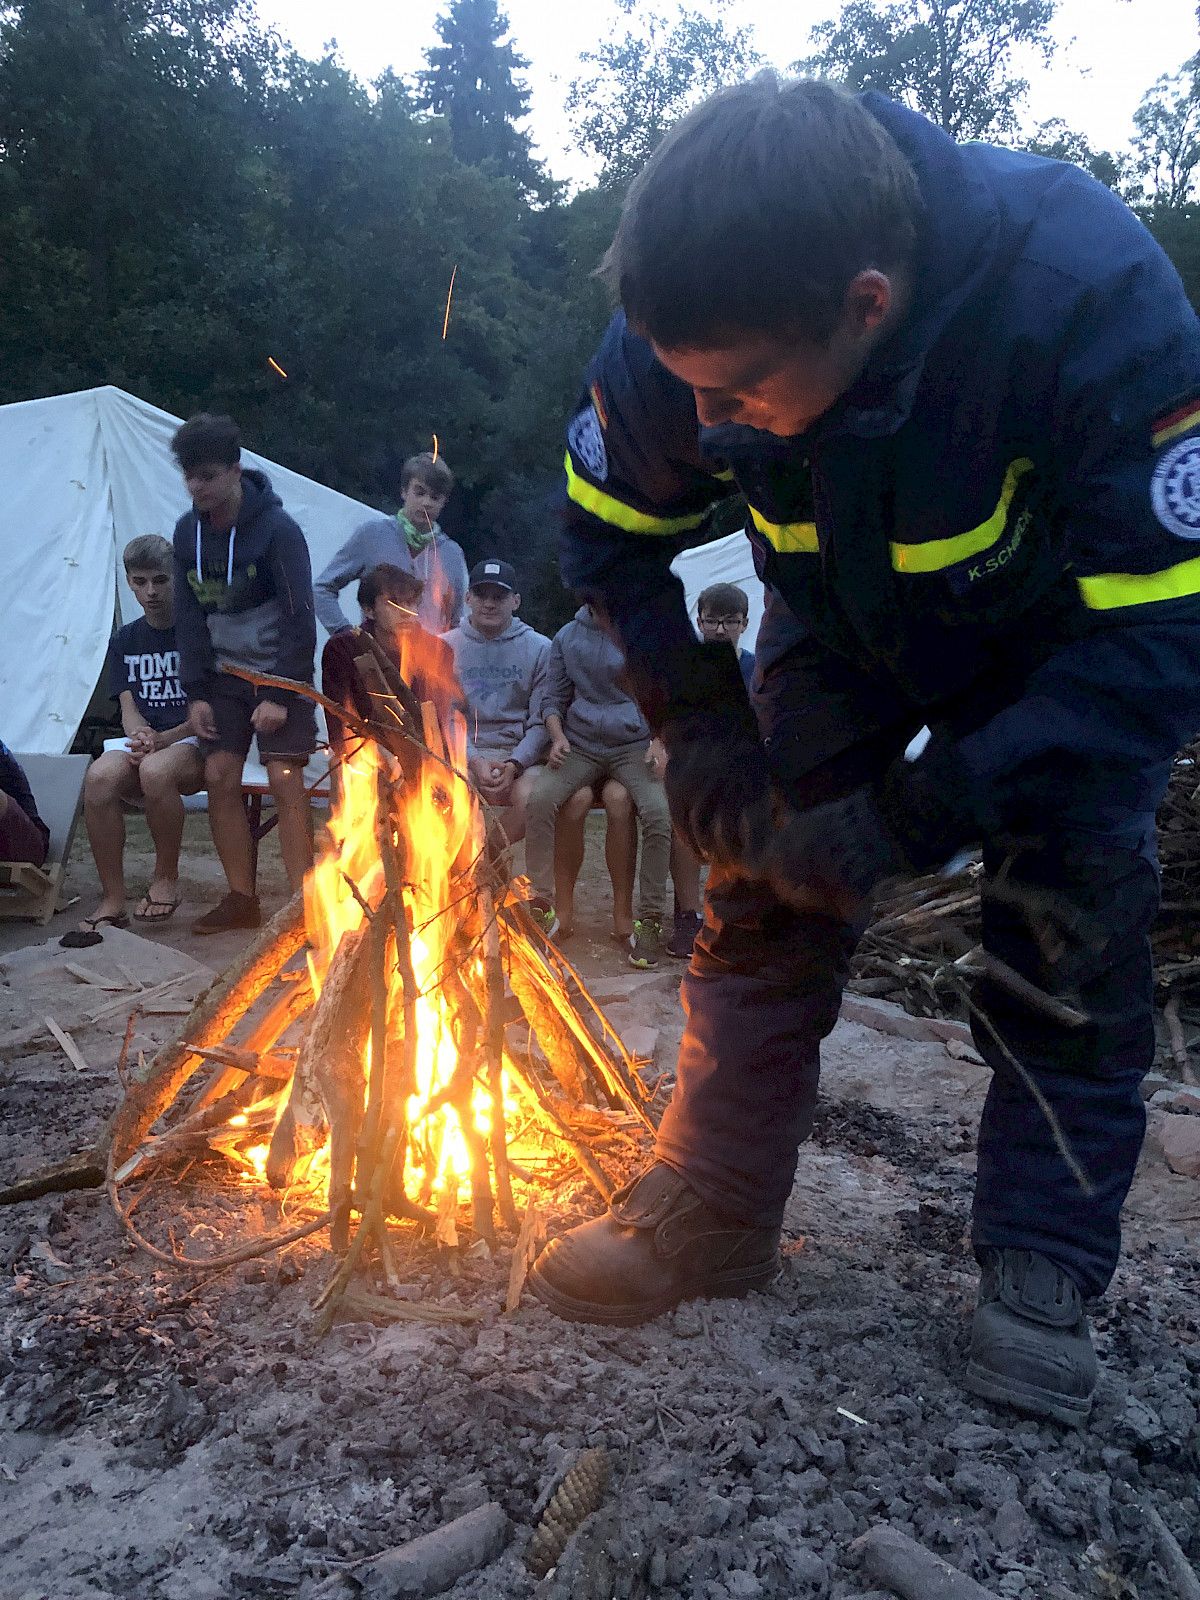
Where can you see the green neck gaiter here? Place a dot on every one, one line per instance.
(418, 539)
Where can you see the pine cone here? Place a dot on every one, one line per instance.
(577, 1496)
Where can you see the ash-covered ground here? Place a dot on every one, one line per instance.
(168, 1436)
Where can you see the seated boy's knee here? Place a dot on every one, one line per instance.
(223, 772)
(160, 773)
(618, 801)
(286, 778)
(109, 777)
(653, 810)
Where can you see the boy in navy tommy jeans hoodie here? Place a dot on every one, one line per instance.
(243, 597)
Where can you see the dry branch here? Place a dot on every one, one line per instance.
(210, 1019)
(536, 1099)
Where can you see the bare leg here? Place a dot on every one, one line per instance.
(568, 853)
(620, 853)
(227, 818)
(512, 816)
(166, 776)
(685, 875)
(295, 819)
(109, 780)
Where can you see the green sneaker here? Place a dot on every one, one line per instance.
(644, 943)
(544, 916)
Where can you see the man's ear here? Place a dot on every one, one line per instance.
(516, 599)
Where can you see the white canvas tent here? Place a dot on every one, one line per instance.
(83, 474)
(727, 560)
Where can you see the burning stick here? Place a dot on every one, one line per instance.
(330, 1062)
(493, 1012)
(371, 1219)
(208, 1022)
(535, 1097)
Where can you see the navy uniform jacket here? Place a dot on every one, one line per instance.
(1009, 495)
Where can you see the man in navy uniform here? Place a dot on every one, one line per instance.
(959, 387)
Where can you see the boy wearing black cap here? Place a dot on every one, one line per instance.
(501, 665)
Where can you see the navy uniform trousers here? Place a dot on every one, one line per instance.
(764, 987)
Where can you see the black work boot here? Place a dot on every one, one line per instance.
(658, 1245)
(1030, 1345)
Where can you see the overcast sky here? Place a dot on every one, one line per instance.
(1110, 52)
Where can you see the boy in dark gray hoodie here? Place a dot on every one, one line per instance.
(596, 731)
(501, 665)
(243, 597)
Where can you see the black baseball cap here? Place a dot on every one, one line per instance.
(492, 571)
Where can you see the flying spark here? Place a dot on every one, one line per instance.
(271, 362)
(449, 295)
(435, 447)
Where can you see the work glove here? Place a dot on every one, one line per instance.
(832, 857)
(719, 789)
(717, 779)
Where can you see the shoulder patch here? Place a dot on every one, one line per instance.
(1175, 488)
(1182, 418)
(586, 439)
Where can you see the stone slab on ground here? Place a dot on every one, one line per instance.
(1178, 1137)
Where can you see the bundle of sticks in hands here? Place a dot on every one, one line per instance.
(925, 937)
(409, 955)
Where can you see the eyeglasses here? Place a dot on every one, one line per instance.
(728, 623)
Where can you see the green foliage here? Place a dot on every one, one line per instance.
(1058, 142)
(950, 59)
(1166, 138)
(644, 80)
(182, 197)
(471, 81)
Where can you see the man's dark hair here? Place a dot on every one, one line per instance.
(756, 212)
(393, 583)
(432, 472)
(723, 600)
(207, 441)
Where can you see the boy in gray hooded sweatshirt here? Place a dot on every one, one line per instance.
(501, 665)
(596, 731)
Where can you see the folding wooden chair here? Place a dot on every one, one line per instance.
(31, 892)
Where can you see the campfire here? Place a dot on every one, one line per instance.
(410, 956)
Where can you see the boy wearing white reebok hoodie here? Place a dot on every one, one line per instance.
(501, 665)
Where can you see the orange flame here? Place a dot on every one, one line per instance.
(442, 832)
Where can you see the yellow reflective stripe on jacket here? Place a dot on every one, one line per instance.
(939, 553)
(1112, 589)
(617, 514)
(788, 537)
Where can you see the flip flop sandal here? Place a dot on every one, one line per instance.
(84, 938)
(163, 910)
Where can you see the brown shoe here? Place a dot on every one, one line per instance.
(235, 911)
(658, 1245)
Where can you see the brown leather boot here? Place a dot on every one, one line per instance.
(658, 1245)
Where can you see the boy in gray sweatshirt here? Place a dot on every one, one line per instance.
(596, 731)
(411, 540)
(501, 665)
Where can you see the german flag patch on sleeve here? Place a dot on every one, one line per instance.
(1182, 418)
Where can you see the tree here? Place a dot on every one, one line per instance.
(950, 59)
(1060, 143)
(471, 81)
(645, 80)
(1166, 140)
